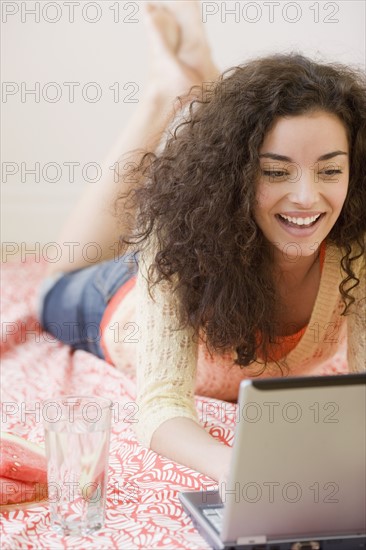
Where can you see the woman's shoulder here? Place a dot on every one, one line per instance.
(356, 320)
(335, 254)
(360, 262)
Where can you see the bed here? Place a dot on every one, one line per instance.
(143, 510)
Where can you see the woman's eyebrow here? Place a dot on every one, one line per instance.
(327, 156)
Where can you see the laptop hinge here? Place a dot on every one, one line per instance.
(257, 539)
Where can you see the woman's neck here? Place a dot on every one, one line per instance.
(294, 272)
(297, 285)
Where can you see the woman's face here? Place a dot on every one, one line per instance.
(303, 182)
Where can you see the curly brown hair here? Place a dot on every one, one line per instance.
(197, 196)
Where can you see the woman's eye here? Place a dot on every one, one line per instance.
(274, 173)
(332, 172)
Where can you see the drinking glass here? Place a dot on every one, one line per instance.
(77, 434)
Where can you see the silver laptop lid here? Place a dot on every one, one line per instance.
(298, 464)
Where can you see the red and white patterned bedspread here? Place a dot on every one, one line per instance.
(143, 510)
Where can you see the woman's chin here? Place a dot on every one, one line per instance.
(292, 251)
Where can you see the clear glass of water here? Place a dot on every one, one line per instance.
(77, 434)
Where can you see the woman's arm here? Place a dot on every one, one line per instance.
(166, 367)
(186, 442)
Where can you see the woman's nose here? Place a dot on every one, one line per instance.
(305, 191)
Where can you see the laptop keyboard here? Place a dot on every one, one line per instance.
(214, 516)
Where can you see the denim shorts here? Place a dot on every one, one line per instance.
(71, 305)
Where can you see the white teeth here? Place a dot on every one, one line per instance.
(300, 221)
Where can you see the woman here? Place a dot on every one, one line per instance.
(250, 233)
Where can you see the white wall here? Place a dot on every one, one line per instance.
(106, 52)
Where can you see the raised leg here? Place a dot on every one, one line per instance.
(172, 42)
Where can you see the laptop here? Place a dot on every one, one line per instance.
(297, 477)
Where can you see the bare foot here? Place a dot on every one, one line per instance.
(161, 19)
(167, 71)
(194, 48)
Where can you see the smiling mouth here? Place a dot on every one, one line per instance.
(300, 223)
